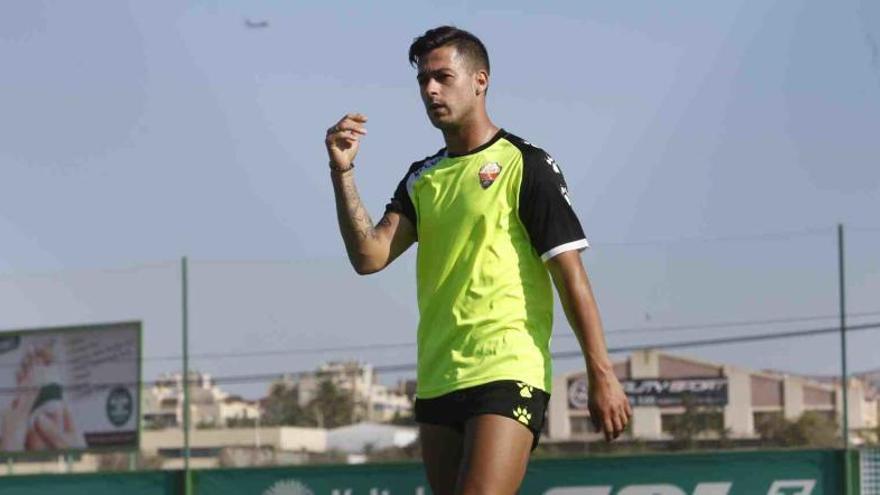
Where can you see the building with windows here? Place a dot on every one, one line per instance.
(729, 398)
(373, 401)
(209, 406)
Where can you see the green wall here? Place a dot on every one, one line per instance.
(797, 472)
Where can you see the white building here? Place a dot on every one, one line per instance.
(373, 401)
(741, 399)
(209, 406)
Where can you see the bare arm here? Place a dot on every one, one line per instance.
(370, 247)
(609, 408)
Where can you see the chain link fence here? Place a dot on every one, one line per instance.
(869, 471)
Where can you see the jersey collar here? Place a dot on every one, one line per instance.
(498, 135)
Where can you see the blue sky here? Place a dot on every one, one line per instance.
(132, 133)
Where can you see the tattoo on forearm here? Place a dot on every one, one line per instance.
(352, 212)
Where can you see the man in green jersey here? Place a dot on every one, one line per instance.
(492, 216)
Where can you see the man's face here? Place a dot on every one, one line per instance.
(449, 87)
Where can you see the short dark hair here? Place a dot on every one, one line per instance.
(466, 43)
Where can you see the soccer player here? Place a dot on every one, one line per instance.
(492, 216)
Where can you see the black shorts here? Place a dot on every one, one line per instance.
(508, 398)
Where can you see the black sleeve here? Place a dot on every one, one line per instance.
(401, 201)
(545, 208)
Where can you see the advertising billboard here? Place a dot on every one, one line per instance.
(661, 392)
(810, 472)
(70, 388)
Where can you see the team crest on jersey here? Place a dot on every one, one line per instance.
(488, 173)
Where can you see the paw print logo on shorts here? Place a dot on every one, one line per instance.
(525, 390)
(522, 415)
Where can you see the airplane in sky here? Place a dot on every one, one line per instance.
(256, 24)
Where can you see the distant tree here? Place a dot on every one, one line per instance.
(331, 407)
(695, 420)
(241, 422)
(869, 435)
(812, 429)
(282, 408)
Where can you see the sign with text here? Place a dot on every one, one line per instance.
(746, 473)
(661, 392)
(789, 472)
(70, 388)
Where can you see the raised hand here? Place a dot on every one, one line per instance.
(343, 139)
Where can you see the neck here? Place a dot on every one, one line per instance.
(461, 139)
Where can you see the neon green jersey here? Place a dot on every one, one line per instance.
(486, 221)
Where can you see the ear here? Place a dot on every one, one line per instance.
(481, 82)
